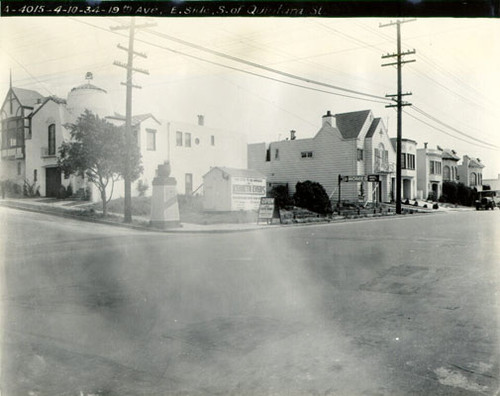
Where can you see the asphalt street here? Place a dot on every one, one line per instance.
(391, 306)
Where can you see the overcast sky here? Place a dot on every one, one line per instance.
(455, 80)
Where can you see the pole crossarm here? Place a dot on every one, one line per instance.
(398, 22)
(395, 95)
(401, 54)
(132, 85)
(399, 63)
(141, 54)
(126, 66)
(399, 104)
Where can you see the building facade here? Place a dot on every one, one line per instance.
(470, 172)
(450, 165)
(429, 173)
(408, 167)
(347, 144)
(34, 127)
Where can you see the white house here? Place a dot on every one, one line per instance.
(347, 144)
(33, 128)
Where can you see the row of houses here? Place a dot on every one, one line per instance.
(356, 145)
(347, 144)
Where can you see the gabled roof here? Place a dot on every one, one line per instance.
(52, 98)
(373, 127)
(27, 97)
(350, 124)
(251, 173)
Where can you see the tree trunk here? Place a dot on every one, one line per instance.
(104, 202)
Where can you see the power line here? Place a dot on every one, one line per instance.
(259, 66)
(422, 112)
(447, 133)
(241, 70)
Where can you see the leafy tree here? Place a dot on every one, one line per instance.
(97, 150)
(312, 195)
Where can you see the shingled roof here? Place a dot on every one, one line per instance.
(350, 124)
(27, 97)
(373, 127)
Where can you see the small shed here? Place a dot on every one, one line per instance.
(228, 189)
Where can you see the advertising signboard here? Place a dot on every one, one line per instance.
(246, 193)
(266, 209)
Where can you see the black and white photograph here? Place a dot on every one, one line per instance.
(203, 198)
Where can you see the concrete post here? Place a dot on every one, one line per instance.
(164, 205)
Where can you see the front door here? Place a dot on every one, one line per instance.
(52, 181)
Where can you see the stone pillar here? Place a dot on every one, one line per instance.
(164, 205)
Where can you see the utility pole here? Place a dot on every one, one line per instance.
(129, 66)
(399, 101)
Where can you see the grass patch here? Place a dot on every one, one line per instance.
(190, 211)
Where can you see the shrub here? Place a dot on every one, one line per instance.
(281, 196)
(312, 196)
(30, 189)
(431, 196)
(450, 192)
(69, 191)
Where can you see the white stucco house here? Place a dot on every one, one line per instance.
(33, 128)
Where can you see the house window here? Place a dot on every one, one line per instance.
(35, 176)
(403, 161)
(187, 139)
(52, 140)
(446, 173)
(276, 154)
(306, 154)
(212, 140)
(360, 154)
(179, 138)
(19, 168)
(151, 139)
(189, 183)
(473, 179)
(410, 161)
(435, 167)
(12, 133)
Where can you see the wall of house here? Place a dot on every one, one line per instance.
(228, 150)
(410, 175)
(331, 156)
(379, 137)
(425, 179)
(37, 158)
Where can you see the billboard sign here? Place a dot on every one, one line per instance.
(246, 192)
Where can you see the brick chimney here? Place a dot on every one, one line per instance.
(329, 119)
(292, 135)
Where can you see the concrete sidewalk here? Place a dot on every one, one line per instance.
(80, 210)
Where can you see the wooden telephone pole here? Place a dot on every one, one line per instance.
(128, 112)
(399, 102)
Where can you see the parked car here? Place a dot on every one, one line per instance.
(485, 203)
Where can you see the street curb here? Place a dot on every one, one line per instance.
(123, 225)
(61, 213)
